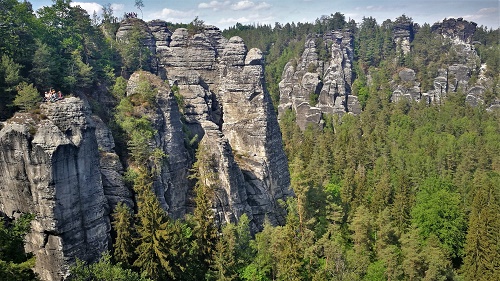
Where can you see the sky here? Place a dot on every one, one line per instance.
(226, 13)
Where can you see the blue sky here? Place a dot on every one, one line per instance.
(225, 13)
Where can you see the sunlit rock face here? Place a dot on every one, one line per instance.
(225, 107)
(50, 167)
(315, 85)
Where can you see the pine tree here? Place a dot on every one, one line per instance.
(482, 249)
(153, 235)
(122, 224)
(204, 229)
(27, 96)
(224, 264)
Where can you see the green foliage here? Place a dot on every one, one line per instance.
(313, 99)
(196, 26)
(153, 232)
(437, 212)
(15, 264)
(120, 88)
(103, 270)
(134, 54)
(482, 252)
(27, 96)
(9, 78)
(123, 225)
(203, 219)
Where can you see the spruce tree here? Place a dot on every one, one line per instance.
(152, 255)
(204, 227)
(122, 224)
(482, 248)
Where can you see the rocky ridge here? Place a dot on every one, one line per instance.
(454, 77)
(226, 108)
(314, 86)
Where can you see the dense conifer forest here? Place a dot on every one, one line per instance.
(403, 191)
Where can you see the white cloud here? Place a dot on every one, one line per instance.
(370, 8)
(249, 5)
(247, 20)
(174, 15)
(90, 7)
(488, 11)
(234, 20)
(117, 8)
(214, 5)
(483, 13)
(243, 5)
(262, 5)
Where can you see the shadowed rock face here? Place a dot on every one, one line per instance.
(402, 34)
(455, 29)
(171, 185)
(329, 80)
(227, 107)
(50, 167)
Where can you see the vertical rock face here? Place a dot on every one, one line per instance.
(171, 185)
(227, 108)
(317, 85)
(408, 88)
(49, 166)
(402, 33)
(111, 168)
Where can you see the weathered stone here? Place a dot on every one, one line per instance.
(407, 75)
(226, 105)
(171, 185)
(329, 80)
(161, 34)
(402, 34)
(111, 167)
(455, 29)
(50, 168)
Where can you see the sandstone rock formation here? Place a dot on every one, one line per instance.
(402, 34)
(407, 88)
(171, 185)
(451, 78)
(49, 166)
(225, 106)
(314, 86)
(455, 29)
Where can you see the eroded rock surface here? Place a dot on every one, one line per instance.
(226, 105)
(315, 86)
(49, 166)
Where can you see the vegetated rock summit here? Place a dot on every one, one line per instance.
(60, 163)
(313, 86)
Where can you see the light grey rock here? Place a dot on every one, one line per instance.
(329, 80)
(50, 167)
(408, 88)
(171, 185)
(111, 168)
(226, 105)
(455, 29)
(161, 34)
(402, 34)
(407, 75)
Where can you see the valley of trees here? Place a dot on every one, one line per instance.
(402, 191)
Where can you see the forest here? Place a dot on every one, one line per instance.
(403, 191)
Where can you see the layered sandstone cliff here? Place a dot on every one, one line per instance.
(49, 166)
(225, 107)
